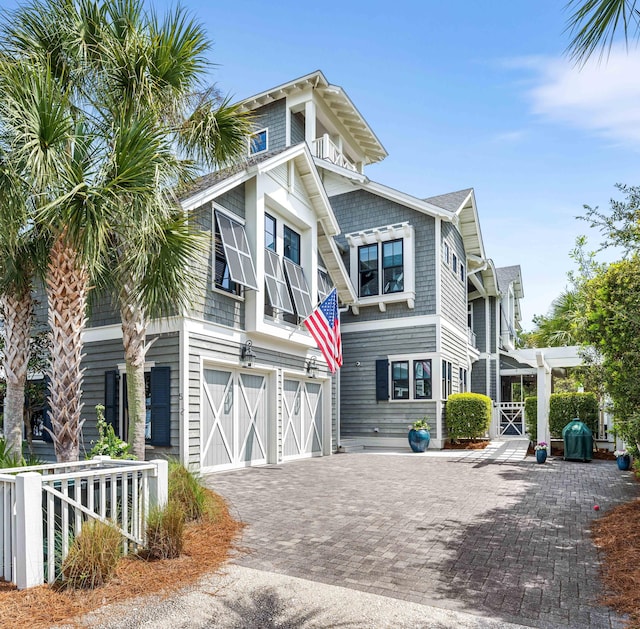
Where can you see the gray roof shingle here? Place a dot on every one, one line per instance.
(506, 275)
(450, 201)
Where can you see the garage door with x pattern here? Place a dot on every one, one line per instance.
(234, 419)
(302, 419)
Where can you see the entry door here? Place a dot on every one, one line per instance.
(234, 419)
(302, 413)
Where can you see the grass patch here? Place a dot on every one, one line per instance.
(93, 556)
(165, 532)
(186, 490)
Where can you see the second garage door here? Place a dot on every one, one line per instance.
(301, 419)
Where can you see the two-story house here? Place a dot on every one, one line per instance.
(237, 380)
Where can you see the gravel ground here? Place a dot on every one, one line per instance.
(246, 598)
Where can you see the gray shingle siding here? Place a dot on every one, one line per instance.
(479, 323)
(209, 304)
(273, 117)
(102, 310)
(479, 377)
(360, 413)
(297, 128)
(492, 327)
(454, 290)
(360, 210)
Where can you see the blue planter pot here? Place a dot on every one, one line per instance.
(419, 440)
(624, 462)
(541, 456)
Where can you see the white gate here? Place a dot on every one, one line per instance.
(234, 419)
(511, 418)
(302, 419)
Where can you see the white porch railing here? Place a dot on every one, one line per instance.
(509, 419)
(472, 338)
(43, 507)
(324, 148)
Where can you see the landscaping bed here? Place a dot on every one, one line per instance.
(466, 444)
(207, 545)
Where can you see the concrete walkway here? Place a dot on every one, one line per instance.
(362, 540)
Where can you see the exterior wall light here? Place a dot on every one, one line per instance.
(247, 356)
(311, 367)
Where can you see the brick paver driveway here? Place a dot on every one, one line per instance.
(507, 541)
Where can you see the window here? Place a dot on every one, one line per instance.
(446, 252)
(463, 380)
(462, 272)
(400, 380)
(222, 277)
(325, 285)
(234, 263)
(258, 142)
(291, 245)
(392, 267)
(454, 263)
(157, 385)
(269, 232)
(277, 290)
(422, 379)
(447, 379)
(368, 270)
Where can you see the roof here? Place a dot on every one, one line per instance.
(507, 275)
(450, 201)
(206, 181)
(339, 103)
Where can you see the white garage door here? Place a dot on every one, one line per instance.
(302, 419)
(234, 419)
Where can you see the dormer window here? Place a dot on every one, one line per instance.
(259, 142)
(382, 262)
(291, 245)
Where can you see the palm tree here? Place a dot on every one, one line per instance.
(108, 97)
(593, 24)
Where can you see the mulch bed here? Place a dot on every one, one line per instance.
(617, 536)
(207, 546)
(466, 444)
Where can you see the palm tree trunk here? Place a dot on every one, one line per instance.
(67, 286)
(17, 311)
(134, 330)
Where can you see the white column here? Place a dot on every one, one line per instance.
(29, 546)
(159, 484)
(310, 123)
(543, 395)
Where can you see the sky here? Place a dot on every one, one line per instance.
(461, 94)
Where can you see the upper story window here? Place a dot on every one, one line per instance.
(463, 276)
(269, 232)
(233, 262)
(446, 253)
(382, 265)
(447, 379)
(454, 264)
(392, 267)
(368, 270)
(259, 142)
(291, 245)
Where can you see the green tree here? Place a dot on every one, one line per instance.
(613, 328)
(593, 24)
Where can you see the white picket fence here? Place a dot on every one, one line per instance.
(43, 507)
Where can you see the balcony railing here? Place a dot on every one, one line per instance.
(324, 148)
(472, 338)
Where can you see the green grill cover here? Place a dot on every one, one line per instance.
(578, 441)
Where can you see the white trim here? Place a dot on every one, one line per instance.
(410, 358)
(183, 402)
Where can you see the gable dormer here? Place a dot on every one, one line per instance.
(311, 110)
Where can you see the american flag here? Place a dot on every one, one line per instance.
(324, 325)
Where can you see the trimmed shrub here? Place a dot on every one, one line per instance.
(531, 417)
(93, 556)
(186, 490)
(565, 407)
(468, 415)
(165, 532)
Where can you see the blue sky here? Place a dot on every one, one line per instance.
(461, 94)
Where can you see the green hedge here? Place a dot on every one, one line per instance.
(531, 417)
(564, 407)
(468, 415)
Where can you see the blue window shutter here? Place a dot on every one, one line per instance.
(160, 406)
(382, 380)
(111, 405)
